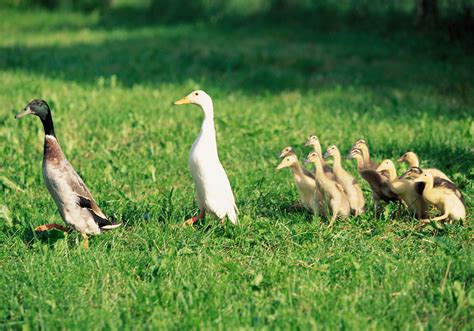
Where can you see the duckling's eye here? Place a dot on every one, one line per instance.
(196, 93)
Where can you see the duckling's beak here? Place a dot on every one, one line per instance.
(306, 161)
(26, 111)
(307, 143)
(349, 156)
(182, 101)
(326, 155)
(280, 166)
(401, 159)
(282, 154)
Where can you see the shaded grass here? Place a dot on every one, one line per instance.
(111, 89)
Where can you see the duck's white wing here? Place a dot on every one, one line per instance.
(213, 189)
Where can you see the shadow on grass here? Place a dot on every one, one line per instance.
(267, 52)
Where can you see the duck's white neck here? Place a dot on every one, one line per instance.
(208, 122)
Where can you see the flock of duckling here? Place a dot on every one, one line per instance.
(333, 192)
(330, 191)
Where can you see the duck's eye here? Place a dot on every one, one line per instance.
(196, 93)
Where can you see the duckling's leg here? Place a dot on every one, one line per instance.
(46, 227)
(193, 220)
(376, 205)
(333, 218)
(335, 212)
(85, 240)
(442, 217)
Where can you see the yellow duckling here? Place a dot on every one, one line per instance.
(308, 190)
(412, 159)
(347, 181)
(334, 192)
(405, 189)
(446, 198)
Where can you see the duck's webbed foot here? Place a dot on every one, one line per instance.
(85, 239)
(47, 227)
(193, 220)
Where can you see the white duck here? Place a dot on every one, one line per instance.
(213, 190)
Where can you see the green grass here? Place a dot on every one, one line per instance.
(111, 85)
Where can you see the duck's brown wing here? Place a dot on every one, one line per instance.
(441, 182)
(378, 184)
(84, 197)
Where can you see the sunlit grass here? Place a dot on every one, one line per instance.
(111, 90)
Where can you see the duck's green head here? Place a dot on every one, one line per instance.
(36, 107)
(41, 109)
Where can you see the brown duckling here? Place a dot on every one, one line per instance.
(364, 147)
(378, 183)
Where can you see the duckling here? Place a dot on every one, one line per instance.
(306, 185)
(333, 191)
(313, 141)
(286, 151)
(347, 181)
(378, 183)
(213, 190)
(76, 205)
(447, 198)
(415, 172)
(362, 145)
(412, 159)
(405, 189)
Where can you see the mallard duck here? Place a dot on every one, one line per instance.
(75, 203)
(378, 183)
(213, 190)
(405, 189)
(412, 159)
(447, 198)
(337, 198)
(347, 181)
(310, 194)
(313, 141)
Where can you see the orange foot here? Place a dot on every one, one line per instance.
(190, 221)
(47, 227)
(193, 220)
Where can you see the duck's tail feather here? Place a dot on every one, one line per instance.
(110, 226)
(233, 216)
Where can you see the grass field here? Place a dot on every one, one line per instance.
(111, 83)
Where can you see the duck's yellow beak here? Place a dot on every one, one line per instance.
(182, 101)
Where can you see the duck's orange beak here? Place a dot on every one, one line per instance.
(182, 101)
